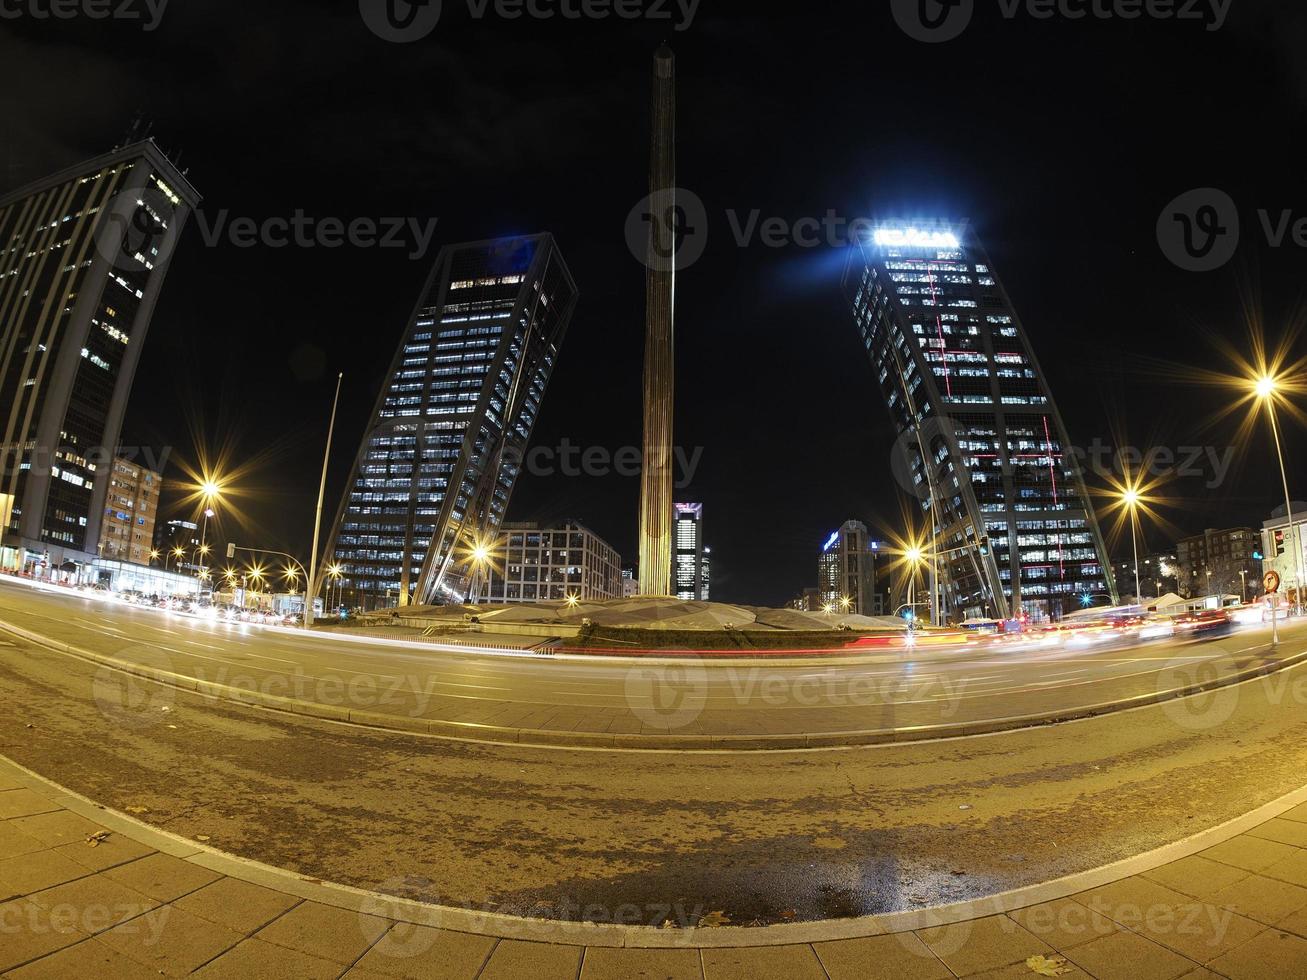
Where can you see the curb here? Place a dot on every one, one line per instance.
(637, 937)
(538, 738)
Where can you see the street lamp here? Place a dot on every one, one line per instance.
(1266, 388)
(1131, 500)
(913, 556)
(177, 552)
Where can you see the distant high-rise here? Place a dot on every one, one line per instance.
(691, 569)
(83, 255)
(433, 477)
(846, 571)
(985, 448)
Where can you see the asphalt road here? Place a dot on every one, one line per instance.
(566, 833)
(490, 693)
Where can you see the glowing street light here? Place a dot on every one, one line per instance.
(573, 600)
(1131, 499)
(1267, 389)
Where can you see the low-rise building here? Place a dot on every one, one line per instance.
(1158, 575)
(1219, 562)
(552, 563)
(131, 504)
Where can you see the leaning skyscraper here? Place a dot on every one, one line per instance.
(983, 447)
(83, 256)
(437, 466)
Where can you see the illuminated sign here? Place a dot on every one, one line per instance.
(832, 542)
(915, 238)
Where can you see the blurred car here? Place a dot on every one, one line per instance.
(1205, 622)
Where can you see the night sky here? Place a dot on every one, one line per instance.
(1061, 141)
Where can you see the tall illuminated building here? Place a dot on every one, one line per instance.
(420, 518)
(846, 571)
(691, 561)
(1009, 523)
(83, 256)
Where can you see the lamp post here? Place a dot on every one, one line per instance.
(1265, 389)
(1131, 500)
(310, 586)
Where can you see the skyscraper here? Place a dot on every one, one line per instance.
(846, 571)
(433, 477)
(83, 255)
(691, 560)
(1008, 521)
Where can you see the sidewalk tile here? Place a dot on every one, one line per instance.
(1127, 900)
(641, 964)
(762, 963)
(1196, 876)
(100, 903)
(514, 959)
(1126, 956)
(238, 905)
(253, 960)
(163, 878)
(1199, 931)
(1292, 869)
(1296, 923)
(324, 932)
(1201, 973)
(1264, 899)
(87, 959)
(169, 941)
(1249, 853)
(34, 872)
(1271, 956)
(1285, 831)
(901, 956)
(30, 933)
(60, 827)
(1298, 813)
(14, 842)
(110, 852)
(982, 944)
(24, 803)
(1064, 923)
(417, 952)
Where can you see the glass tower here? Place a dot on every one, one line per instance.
(83, 255)
(1008, 519)
(421, 514)
(691, 561)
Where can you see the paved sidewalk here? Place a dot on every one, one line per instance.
(110, 898)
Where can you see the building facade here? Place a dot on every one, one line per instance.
(846, 572)
(552, 564)
(1284, 549)
(1219, 562)
(981, 445)
(437, 466)
(132, 504)
(83, 256)
(1158, 575)
(691, 560)
(178, 535)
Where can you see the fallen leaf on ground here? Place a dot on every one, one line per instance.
(93, 840)
(1048, 966)
(714, 919)
(202, 837)
(138, 809)
(789, 914)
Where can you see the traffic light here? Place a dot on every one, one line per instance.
(984, 546)
(1279, 542)
(231, 551)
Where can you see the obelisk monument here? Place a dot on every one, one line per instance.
(659, 362)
